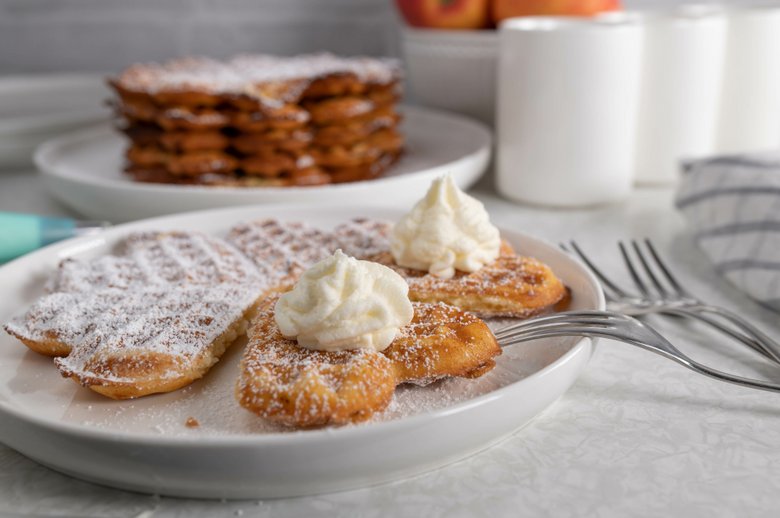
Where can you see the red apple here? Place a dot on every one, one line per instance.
(445, 14)
(509, 8)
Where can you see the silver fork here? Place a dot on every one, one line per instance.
(616, 326)
(668, 296)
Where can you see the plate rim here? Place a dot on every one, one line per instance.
(271, 438)
(42, 158)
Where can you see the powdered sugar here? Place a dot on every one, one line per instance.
(254, 75)
(158, 258)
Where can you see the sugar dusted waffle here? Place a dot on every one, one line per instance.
(511, 286)
(152, 319)
(130, 343)
(448, 251)
(285, 383)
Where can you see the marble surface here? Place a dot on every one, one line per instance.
(637, 435)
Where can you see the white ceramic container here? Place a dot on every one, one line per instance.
(682, 68)
(750, 108)
(568, 92)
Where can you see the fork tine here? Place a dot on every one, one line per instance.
(665, 270)
(631, 331)
(598, 273)
(631, 270)
(597, 318)
(535, 335)
(648, 270)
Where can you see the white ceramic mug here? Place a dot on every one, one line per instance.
(750, 109)
(568, 93)
(682, 70)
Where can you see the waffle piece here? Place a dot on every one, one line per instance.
(442, 341)
(147, 135)
(285, 383)
(182, 141)
(268, 80)
(511, 286)
(184, 164)
(354, 132)
(160, 175)
(307, 176)
(271, 140)
(130, 343)
(152, 319)
(360, 161)
(295, 140)
(370, 150)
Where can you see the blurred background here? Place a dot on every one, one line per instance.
(107, 35)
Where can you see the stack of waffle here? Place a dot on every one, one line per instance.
(260, 120)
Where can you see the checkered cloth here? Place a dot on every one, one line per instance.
(732, 204)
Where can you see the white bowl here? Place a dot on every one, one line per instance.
(453, 70)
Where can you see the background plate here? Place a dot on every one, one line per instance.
(37, 108)
(144, 445)
(84, 170)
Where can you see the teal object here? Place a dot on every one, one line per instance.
(23, 233)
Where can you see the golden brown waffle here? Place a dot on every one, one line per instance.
(375, 132)
(152, 319)
(511, 286)
(160, 175)
(285, 383)
(247, 82)
(306, 120)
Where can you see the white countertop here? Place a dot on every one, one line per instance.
(636, 434)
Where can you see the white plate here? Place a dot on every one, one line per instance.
(84, 170)
(34, 109)
(143, 445)
(41, 104)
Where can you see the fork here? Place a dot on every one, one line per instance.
(620, 327)
(670, 297)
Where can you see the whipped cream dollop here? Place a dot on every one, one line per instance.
(344, 303)
(447, 230)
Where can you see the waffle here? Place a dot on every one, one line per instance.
(307, 120)
(512, 286)
(285, 383)
(152, 319)
(288, 140)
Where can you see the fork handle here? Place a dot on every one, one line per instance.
(748, 340)
(666, 350)
(736, 380)
(771, 347)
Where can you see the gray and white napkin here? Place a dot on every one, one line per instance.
(732, 204)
